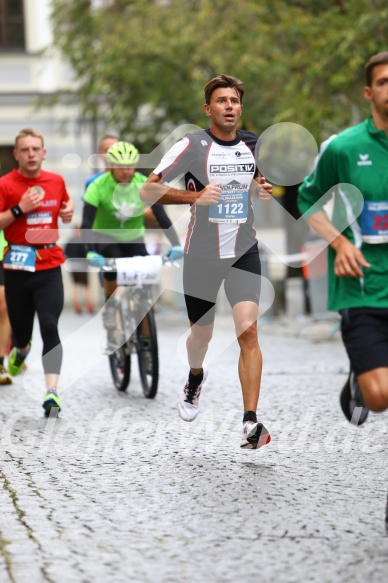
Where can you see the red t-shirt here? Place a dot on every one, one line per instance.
(40, 227)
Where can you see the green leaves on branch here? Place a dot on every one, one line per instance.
(142, 64)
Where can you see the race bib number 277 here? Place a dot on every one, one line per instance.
(20, 257)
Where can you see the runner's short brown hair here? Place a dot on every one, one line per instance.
(223, 81)
(377, 59)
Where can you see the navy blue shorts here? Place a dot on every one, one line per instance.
(202, 279)
(365, 336)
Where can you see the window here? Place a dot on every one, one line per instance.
(7, 160)
(12, 24)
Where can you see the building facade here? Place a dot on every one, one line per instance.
(31, 72)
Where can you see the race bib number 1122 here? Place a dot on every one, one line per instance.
(231, 208)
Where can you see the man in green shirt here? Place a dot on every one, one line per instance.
(354, 168)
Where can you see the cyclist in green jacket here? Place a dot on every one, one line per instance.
(114, 217)
(354, 166)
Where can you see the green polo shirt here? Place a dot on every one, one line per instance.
(120, 211)
(353, 167)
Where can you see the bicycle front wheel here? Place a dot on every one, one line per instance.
(119, 359)
(147, 353)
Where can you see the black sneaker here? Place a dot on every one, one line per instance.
(351, 401)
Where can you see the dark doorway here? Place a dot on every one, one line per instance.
(7, 160)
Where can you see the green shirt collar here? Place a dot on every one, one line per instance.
(381, 134)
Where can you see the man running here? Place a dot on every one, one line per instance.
(31, 201)
(220, 177)
(358, 256)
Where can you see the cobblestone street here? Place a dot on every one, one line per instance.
(119, 489)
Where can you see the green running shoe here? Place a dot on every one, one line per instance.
(16, 362)
(51, 401)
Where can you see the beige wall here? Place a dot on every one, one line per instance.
(28, 76)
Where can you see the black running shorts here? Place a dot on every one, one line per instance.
(112, 248)
(365, 336)
(202, 279)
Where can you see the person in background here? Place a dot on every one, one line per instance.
(113, 220)
(75, 250)
(31, 202)
(105, 143)
(5, 327)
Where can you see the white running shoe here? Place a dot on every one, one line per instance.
(188, 404)
(254, 435)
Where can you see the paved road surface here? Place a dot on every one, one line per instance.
(120, 489)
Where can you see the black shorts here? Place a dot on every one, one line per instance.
(1, 273)
(202, 279)
(112, 248)
(365, 336)
(80, 277)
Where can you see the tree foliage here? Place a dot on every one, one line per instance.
(142, 64)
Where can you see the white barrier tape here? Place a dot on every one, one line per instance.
(287, 259)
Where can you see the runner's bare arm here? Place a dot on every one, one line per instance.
(348, 260)
(261, 188)
(66, 211)
(28, 202)
(155, 192)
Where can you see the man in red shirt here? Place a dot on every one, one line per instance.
(31, 200)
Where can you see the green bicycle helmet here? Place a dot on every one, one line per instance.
(122, 154)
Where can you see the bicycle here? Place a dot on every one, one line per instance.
(135, 330)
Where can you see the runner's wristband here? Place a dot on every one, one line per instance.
(17, 211)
